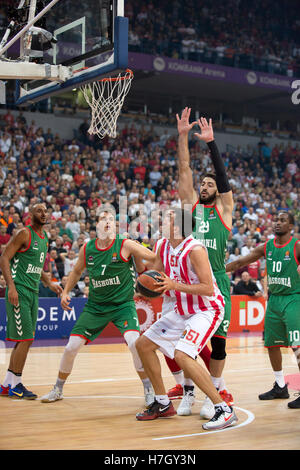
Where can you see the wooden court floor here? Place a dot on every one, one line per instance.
(103, 394)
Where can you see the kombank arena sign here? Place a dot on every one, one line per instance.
(161, 64)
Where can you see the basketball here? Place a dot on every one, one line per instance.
(146, 284)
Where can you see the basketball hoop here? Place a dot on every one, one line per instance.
(105, 98)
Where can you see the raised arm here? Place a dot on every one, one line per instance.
(224, 189)
(254, 255)
(186, 189)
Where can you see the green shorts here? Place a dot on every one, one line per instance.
(223, 283)
(21, 320)
(92, 320)
(282, 321)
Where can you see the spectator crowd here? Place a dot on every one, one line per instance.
(75, 178)
(262, 36)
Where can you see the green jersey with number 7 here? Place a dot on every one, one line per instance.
(112, 277)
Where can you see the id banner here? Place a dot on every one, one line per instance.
(247, 314)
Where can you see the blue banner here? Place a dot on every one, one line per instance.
(53, 322)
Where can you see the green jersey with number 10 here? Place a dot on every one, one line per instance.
(282, 264)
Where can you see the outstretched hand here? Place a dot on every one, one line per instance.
(207, 133)
(183, 124)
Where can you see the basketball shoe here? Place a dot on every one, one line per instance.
(156, 410)
(222, 419)
(175, 392)
(19, 392)
(227, 397)
(54, 395)
(276, 392)
(185, 407)
(208, 410)
(295, 403)
(4, 391)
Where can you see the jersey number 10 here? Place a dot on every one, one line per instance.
(277, 265)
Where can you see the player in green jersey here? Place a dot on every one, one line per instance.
(282, 318)
(212, 210)
(109, 262)
(22, 264)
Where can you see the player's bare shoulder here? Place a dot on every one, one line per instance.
(20, 240)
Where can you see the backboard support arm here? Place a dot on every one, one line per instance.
(28, 26)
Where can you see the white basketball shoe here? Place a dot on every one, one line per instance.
(185, 407)
(208, 410)
(222, 418)
(54, 395)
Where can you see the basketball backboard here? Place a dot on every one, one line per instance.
(91, 42)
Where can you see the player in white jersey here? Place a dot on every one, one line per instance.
(181, 334)
(182, 384)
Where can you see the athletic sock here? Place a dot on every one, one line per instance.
(188, 382)
(8, 378)
(279, 377)
(162, 399)
(16, 378)
(60, 383)
(222, 384)
(189, 389)
(224, 406)
(216, 381)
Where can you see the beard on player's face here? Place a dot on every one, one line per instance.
(39, 219)
(207, 198)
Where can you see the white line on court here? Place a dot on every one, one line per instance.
(120, 379)
(250, 416)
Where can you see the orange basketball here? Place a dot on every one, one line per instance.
(146, 283)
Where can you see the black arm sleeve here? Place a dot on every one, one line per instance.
(221, 177)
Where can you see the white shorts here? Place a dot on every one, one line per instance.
(185, 333)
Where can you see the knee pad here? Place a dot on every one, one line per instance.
(74, 345)
(131, 338)
(70, 352)
(218, 348)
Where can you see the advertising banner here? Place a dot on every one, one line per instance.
(247, 314)
(138, 61)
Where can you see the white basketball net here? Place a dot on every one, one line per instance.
(105, 98)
